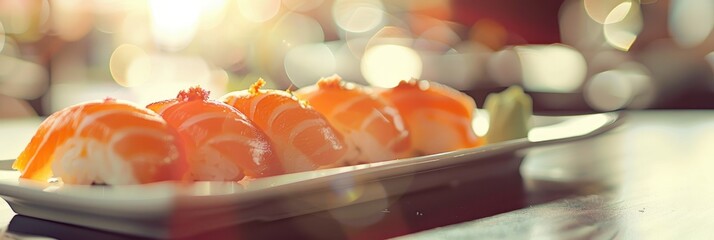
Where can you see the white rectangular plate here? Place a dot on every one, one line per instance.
(155, 210)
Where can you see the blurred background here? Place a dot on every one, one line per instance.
(570, 55)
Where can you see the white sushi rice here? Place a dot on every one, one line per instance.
(82, 160)
(99, 164)
(212, 165)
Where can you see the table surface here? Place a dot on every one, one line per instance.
(647, 179)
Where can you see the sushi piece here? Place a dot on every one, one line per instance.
(303, 137)
(221, 143)
(437, 117)
(103, 142)
(372, 128)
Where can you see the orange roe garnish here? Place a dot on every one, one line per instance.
(194, 93)
(413, 83)
(255, 88)
(333, 81)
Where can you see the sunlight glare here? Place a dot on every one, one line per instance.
(386, 65)
(174, 23)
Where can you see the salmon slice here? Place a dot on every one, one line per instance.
(303, 137)
(105, 142)
(437, 117)
(373, 129)
(221, 143)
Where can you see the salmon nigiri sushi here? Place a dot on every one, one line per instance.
(437, 117)
(221, 143)
(304, 139)
(103, 142)
(372, 128)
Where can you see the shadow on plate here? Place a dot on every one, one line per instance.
(460, 196)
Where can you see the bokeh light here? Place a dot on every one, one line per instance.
(302, 5)
(618, 13)
(393, 35)
(22, 79)
(134, 30)
(174, 22)
(14, 108)
(163, 75)
(504, 67)
(644, 90)
(386, 65)
(600, 10)
(72, 19)
(306, 64)
(346, 191)
(2, 36)
(259, 11)
(691, 21)
(623, 24)
(213, 12)
(608, 91)
(347, 64)
(551, 68)
(629, 85)
(9, 49)
(441, 34)
(177, 69)
(577, 28)
(124, 57)
(138, 71)
(134, 45)
(109, 15)
(16, 16)
(294, 30)
(358, 15)
(489, 33)
(458, 70)
(272, 44)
